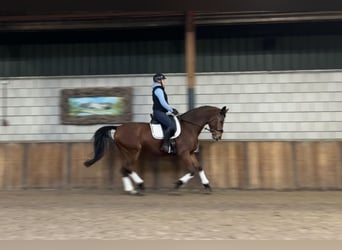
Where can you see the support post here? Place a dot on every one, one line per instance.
(190, 56)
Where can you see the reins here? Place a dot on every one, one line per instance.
(208, 129)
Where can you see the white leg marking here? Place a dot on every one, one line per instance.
(127, 183)
(186, 178)
(136, 178)
(203, 177)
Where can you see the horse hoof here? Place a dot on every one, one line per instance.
(134, 192)
(207, 188)
(178, 184)
(141, 186)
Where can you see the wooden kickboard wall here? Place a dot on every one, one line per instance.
(271, 165)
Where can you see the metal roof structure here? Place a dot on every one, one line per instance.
(20, 15)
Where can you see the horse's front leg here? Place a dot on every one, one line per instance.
(185, 159)
(204, 179)
(183, 180)
(201, 173)
(193, 165)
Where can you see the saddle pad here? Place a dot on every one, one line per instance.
(157, 131)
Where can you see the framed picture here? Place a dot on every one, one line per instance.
(85, 106)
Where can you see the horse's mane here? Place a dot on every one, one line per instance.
(189, 112)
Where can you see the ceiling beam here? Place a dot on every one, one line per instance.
(112, 20)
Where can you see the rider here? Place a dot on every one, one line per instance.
(160, 107)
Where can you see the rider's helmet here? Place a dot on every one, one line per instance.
(158, 77)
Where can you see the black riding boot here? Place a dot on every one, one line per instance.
(166, 141)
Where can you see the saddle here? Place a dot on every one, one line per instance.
(157, 130)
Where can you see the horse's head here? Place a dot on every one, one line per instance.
(216, 124)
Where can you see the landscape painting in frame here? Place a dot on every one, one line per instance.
(84, 106)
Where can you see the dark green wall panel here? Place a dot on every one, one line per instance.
(93, 59)
(218, 49)
(279, 53)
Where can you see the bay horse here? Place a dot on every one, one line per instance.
(130, 138)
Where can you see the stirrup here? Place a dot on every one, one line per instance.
(172, 146)
(165, 147)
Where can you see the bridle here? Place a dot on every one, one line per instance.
(211, 130)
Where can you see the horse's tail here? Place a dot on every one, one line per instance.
(101, 137)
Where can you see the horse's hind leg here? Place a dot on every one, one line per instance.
(127, 175)
(127, 172)
(129, 154)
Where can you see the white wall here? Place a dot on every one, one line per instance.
(293, 105)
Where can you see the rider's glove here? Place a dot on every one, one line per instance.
(175, 111)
